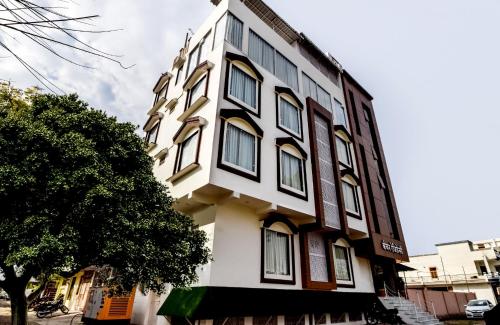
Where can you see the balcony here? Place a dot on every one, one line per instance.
(450, 279)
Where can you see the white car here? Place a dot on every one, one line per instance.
(477, 307)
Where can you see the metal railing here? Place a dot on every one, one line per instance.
(451, 278)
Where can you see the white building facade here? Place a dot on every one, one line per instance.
(251, 133)
(462, 266)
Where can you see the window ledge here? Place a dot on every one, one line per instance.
(172, 103)
(181, 173)
(162, 152)
(343, 129)
(161, 82)
(150, 146)
(181, 58)
(191, 109)
(196, 74)
(156, 106)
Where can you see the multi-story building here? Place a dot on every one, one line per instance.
(462, 266)
(273, 149)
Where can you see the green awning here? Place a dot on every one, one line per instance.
(216, 302)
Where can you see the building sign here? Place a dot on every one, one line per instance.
(392, 247)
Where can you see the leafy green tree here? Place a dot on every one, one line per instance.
(77, 189)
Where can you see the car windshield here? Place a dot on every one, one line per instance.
(478, 303)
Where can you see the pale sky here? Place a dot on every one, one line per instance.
(432, 67)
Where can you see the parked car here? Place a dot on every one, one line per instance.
(4, 295)
(477, 307)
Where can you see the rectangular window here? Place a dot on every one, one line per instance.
(433, 271)
(340, 114)
(309, 87)
(179, 73)
(243, 87)
(289, 116)
(342, 264)
(324, 98)
(197, 91)
(291, 172)
(277, 254)
(197, 55)
(343, 151)
(273, 61)
(260, 51)
(350, 198)
(234, 31)
(187, 153)
(152, 134)
(240, 149)
(316, 92)
(286, 71)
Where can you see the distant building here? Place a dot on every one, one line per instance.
(464, 266)
(274, 150)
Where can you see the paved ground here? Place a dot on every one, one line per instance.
(58, 318)
(464, 322)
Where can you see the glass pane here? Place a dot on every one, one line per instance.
(188, 151)
(277, 253)
(243, 87)
(340, 117)
(343, 151)
(342, 267)
(324, 99)
(197, 91)
(260, 51)
(349, 197)
(234, 31)
(220, 30)
(291, 171)
(309, 87)
(192, 62)
(239, 148)
(289, 116)
(286, 71)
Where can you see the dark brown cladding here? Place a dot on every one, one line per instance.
(380, 206)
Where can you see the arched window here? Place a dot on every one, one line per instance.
(243, 82)
(277, 263)
(289, 112)
(196, 87)
(291, 168)
(187, 139)
(343, 263)
(343, 144)
(239, 144)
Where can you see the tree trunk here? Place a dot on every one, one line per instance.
(18, 306)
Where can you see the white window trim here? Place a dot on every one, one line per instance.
(227, 163)
(290, 258)
(302, 176)
(299, 110)
(256, 109)
(356, 194)
(349, 264)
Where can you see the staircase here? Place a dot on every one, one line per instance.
(408, 311)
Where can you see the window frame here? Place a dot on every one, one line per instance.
(202, 42)
(203, 78)
(281, 224)
(248, 127)
(179, 74)
(229, 164)
(279, 97)
(238, 102)
(156, 126)
(350, 163)
(344, 113)
(283, 187)
(344, 283)
(355, 188)
(180, 148)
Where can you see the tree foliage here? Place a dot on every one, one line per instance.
(77, 189)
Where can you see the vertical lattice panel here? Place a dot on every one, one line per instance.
(317, 257)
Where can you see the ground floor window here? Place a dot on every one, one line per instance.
(277, 255)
